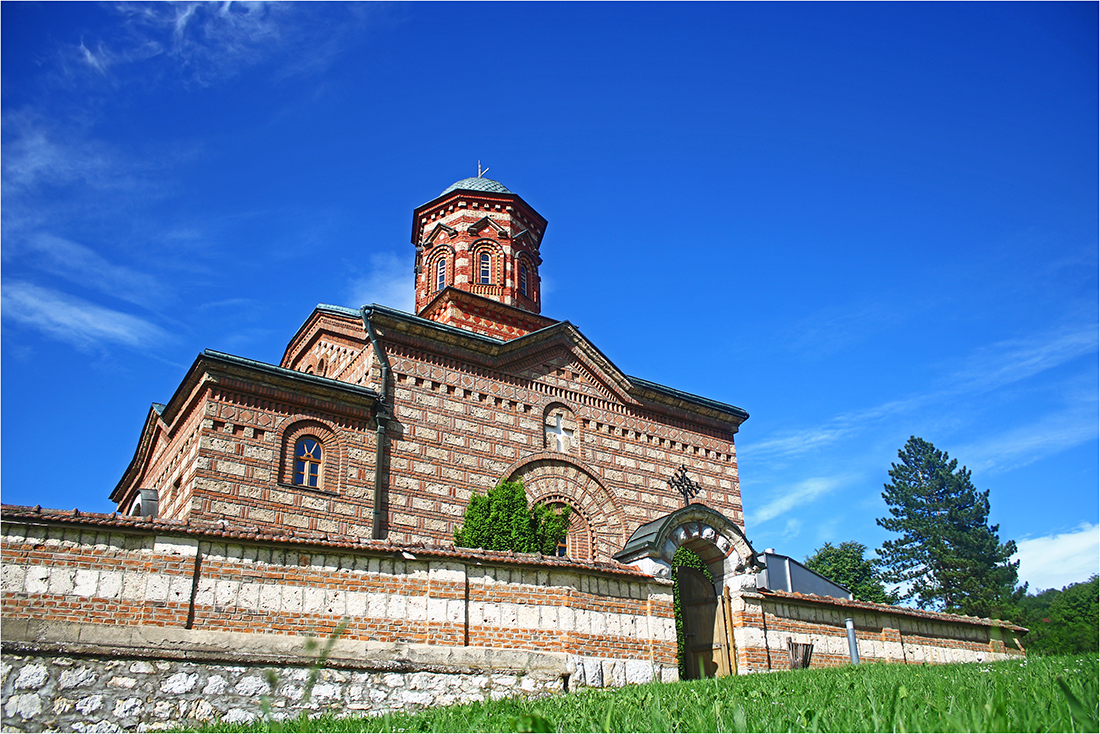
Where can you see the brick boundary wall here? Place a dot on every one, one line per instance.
(83, 594)
(763, 621)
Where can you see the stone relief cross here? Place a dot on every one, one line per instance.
(561, 435)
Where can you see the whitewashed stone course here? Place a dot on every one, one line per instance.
(62, 694)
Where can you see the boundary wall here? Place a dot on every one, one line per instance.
(764, 620)
(115, 622)
(119, 623)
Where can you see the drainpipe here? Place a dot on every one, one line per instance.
(381, 417)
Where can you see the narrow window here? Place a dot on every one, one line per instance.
(523, 279)
(441, 274)
(307, 462)
(562, 548)
(485, 268)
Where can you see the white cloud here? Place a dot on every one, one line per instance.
(787, 499)
(388, 282)
(1053, 561)
(84, 266)
(74, 320)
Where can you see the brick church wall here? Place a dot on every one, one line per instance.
(463, 429)
(226, 454)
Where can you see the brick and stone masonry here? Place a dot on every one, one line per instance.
(132, 623)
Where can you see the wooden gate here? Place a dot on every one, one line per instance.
(707, 652)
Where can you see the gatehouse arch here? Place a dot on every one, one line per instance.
(705, 620)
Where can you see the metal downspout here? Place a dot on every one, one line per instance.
(381, 418)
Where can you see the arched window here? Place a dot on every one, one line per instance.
(307, 462)
(441, 274)
(523, 279)
(485, 273)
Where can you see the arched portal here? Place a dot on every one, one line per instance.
(706, 645)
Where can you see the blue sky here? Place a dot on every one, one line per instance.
(859, 222)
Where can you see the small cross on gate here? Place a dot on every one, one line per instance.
(684, 485)
(560, 434)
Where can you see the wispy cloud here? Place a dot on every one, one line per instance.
(82, 265)
(788, 444)
(1006, 362)
(35, 157)
(785, 499)
(1053, 561)
(987, 369)
(387, 282)
(827, 331)
(205, 43)
(75, 321)
(1038, 439)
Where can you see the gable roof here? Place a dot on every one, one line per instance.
(501, 354)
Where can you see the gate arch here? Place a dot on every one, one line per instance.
(714, 537)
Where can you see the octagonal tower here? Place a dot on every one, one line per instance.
(479, 238)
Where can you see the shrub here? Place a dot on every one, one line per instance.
(502, 520)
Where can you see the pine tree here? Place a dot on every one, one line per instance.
(844, 564)
(948, 556)
(501, 520)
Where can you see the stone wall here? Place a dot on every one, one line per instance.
(763, 622)
(72, 677)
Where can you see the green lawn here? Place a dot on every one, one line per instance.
(1032, 694)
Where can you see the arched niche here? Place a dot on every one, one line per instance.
(550, 477)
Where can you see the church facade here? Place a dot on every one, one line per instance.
(381, 424)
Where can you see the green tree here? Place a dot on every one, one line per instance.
(1063, 622)
(502, 520)
(948, 556)
(844, 564)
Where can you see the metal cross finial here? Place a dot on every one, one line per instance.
(684, 485)
(480, 172)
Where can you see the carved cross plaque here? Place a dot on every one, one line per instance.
(684, 485)
(562, 435)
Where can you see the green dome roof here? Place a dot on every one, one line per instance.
(477, 183)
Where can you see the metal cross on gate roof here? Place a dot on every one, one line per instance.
(684, 485)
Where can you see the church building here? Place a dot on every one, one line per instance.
(380, 424)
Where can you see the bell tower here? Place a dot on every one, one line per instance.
(477, 259)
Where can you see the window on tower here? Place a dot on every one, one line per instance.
(441, 274)
(523, 279)
(485, 273)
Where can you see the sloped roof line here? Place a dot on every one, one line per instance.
(520, 341)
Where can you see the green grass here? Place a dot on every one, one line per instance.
(1031, 694)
